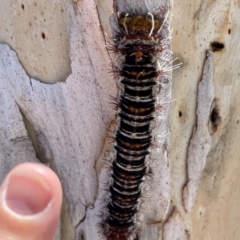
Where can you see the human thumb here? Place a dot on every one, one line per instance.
(30, 203)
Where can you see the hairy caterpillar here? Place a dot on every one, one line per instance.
(142, 44)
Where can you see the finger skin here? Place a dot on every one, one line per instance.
(37, 226)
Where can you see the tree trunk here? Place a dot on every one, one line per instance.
(55, 83)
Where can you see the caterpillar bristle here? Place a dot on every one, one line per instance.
(115, 233)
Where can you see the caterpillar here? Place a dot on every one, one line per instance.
(141, 42)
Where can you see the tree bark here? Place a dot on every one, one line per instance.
(63, 124)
